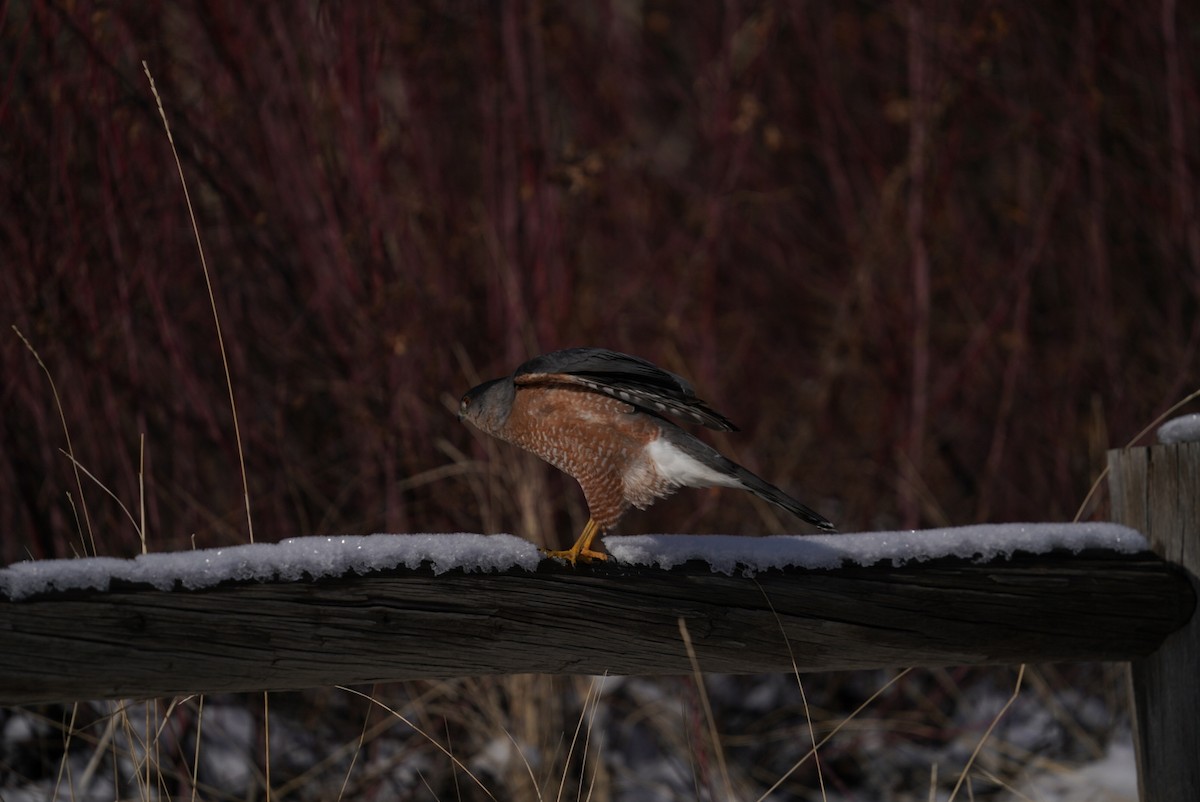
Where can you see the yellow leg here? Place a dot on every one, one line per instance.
(582, 550)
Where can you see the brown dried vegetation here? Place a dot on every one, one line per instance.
(933, 259)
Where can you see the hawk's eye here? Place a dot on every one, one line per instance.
(466, 402)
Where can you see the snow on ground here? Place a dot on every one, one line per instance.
(1112, 778)
(318, 557)
(1184, 429)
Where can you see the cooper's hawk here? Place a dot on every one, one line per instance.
(598, 416)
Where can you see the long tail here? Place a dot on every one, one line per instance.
(771, 493)
(710, 467)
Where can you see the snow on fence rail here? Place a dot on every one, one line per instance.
(324, 611)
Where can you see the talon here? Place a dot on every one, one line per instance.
(582, 550)
(573, 557)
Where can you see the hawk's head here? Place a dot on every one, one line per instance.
(487, 406)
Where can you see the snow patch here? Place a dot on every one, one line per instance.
(1184, 429)
(1113, 778)
(729, 553)
(289, 560)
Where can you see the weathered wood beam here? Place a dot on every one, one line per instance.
(403, 624)
(1157, 491)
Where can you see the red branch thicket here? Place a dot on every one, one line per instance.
(933, 258)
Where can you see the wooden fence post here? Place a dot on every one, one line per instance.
(1156, 490)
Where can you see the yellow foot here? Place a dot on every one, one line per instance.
(582, 551)
(573, 556)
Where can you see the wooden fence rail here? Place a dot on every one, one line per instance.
(134, 641)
